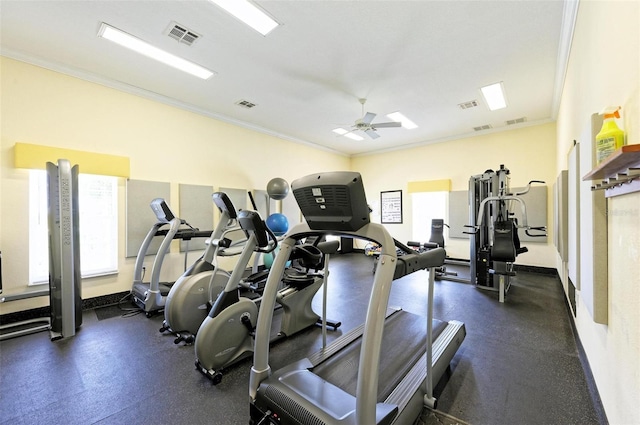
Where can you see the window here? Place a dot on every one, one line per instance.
(98, 203)
(426, 207)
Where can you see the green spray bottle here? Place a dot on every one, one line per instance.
(610, 138)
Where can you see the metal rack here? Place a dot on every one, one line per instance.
(619, 173)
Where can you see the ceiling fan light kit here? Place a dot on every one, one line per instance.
(367, 126)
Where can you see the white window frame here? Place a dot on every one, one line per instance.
(98, 204)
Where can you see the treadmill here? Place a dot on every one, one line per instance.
(382, 372)
(150, 296)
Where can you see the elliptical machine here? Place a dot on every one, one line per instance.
(226, 334)
(192, 295)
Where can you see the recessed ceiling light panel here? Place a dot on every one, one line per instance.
(353, 136)
(346, 133)
(404, 121)
(248, 13)
(494, 96)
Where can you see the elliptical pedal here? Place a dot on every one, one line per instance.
(186, 337)
(214, 376)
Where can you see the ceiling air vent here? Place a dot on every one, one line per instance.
(468, 105)
(482, 127)
(182, 34)
(245, 104)
(516, 121)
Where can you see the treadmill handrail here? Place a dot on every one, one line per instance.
(366, 392)
(144, 247)
(154, 283)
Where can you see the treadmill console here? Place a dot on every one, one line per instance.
(161, 210)
(332, 201)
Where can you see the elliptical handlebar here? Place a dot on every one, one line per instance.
(252, 223)
(272, 245)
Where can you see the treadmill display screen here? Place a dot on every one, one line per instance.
(332, 201)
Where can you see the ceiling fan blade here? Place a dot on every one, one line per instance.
(368, 117)
(386, 124)
(371, 133)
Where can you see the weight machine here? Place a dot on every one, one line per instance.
(494, 241)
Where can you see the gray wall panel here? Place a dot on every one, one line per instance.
(196, 207)
(139, 216)
(458, 213)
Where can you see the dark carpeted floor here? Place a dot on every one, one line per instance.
(518, 364)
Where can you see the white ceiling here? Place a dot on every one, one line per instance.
(420, 57)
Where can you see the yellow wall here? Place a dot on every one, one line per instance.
(527, 152)
(604, 69)
(163, 143)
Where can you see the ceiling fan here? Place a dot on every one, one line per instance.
(366, 125)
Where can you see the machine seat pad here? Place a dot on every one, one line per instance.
(504, 244)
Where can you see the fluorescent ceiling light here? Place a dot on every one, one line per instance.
(146, 49)
(346, 133)
(353, 136)
(494, 96)
(406, 122)
(248, 13)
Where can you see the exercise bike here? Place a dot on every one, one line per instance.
(192, 295)
(226, 334)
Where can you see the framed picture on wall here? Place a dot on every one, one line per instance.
(391, 207)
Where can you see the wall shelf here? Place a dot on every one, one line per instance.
(619, 173)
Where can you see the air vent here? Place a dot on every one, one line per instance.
(181, 33)
(482, 127)
(469, 104)
(245, 104)
(516, 121)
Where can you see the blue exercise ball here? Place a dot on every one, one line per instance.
(269, 258)
(278, 224)
(277, 188)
